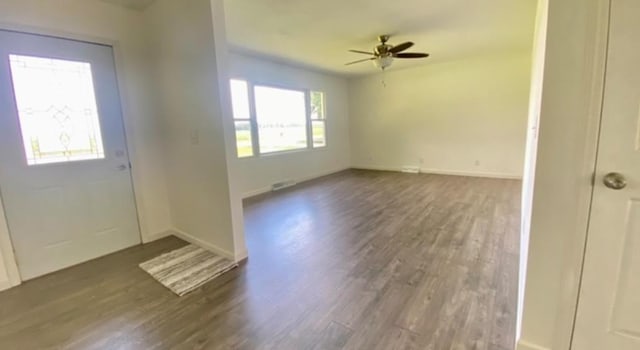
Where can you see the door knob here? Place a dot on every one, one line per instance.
(615, 181)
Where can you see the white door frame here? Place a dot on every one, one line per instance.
(6, 246)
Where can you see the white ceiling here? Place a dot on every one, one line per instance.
(319, 33)
(132, 4)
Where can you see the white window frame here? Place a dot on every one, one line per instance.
(253, 119)
(311, 120)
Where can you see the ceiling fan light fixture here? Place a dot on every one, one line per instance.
(384, 54)
(383, 62)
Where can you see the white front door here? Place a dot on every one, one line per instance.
(64, 169)
(609, 306)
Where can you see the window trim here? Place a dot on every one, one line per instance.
(253, 119)
(323, 120)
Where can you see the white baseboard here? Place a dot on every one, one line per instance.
(4, 285)
(446, 172)
(299, 180)
(322, 174)
(472, 174)
(241, 256)
(206, 245)
(523, 345)
(267, 189)
(376, 168)
(256, 192)
(157, 236)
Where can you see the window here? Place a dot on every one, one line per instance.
(281, 118)
(57, 109)
(242, 117)
(318, 124)
(270, 119)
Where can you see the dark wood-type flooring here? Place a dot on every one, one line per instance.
(357, 260)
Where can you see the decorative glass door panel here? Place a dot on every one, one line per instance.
(57, 109)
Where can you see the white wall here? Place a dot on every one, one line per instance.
(223, 65)
(572, 84)
(461, 117)
(257, 174)
(101, 22)
(184, 62)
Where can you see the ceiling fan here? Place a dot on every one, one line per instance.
(383, 54)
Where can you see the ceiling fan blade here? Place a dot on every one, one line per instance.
(364, 52)
(358, 61)
(411, 55)
(401, 47)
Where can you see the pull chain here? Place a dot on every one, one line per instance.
(384, 83)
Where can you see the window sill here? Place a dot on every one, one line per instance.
(284, 153)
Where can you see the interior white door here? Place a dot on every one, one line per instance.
(64, 169)
(609, 306)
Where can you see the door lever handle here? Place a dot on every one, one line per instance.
(122, 167)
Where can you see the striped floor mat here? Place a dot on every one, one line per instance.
(187, 268)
